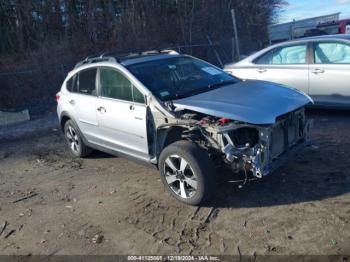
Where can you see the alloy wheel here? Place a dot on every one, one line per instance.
(180, 176)
(73, 139)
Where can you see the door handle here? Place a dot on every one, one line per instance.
(101, 109)
(261, 70)
(317, 71)
(131, 107)
(72, 102)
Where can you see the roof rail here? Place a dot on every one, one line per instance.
(136, 53)
(115, 58)
(158, 51)
(95, 59)
(169, 51)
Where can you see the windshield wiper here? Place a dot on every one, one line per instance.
(224, 83)
(202, 90)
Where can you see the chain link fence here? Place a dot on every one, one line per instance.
(34, 88)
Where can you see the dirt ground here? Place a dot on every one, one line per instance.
(110, 205)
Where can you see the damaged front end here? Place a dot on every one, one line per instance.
(259, 148)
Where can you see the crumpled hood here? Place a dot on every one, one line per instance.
(251, 101)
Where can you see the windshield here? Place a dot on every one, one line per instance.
(179, 77)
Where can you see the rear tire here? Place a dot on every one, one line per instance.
(187, 172)
(75, 141)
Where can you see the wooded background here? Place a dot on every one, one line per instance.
(41, 40)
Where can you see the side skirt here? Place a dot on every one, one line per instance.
(120, 154)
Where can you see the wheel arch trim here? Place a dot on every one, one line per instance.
(65, 115)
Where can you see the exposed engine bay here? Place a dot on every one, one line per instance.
(242, 146)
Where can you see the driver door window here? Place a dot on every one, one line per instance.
(116, 85)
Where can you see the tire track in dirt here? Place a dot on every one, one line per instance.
(185, 228)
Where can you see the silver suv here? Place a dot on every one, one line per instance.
(181, 115)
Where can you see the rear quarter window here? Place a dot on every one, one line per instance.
(71, 84)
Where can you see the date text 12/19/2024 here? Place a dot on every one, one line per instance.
(173, 258)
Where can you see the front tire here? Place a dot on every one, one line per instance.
(187, 172)
(75, 141)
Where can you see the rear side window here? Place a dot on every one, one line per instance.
(87, 81)
(332, 53)
(295, 54)
(115, 85)
(71, 84)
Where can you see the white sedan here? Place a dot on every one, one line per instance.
(319, 66)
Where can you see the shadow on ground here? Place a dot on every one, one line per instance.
(319, 172)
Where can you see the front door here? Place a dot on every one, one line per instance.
(121, 113)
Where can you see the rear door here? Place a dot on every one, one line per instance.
(82, 102)
(287, 65)
(121, 111)
(330, 73)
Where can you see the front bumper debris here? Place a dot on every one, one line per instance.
(276, 144)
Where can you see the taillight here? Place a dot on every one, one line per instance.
(58, 95)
